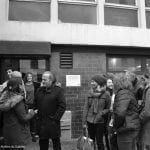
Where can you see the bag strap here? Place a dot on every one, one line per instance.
(85, 132)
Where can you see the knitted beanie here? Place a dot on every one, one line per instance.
(101, 80)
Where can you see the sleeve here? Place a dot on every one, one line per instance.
(121, 107)
(107, 104)
(61, 105)
(85, 111)
(145, 114)
(35, 98)
(106, 109)
(21, 113)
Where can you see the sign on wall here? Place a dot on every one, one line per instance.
(73, 80)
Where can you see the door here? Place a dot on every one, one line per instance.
(30, 64)
(6, 64)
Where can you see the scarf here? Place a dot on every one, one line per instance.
(95, 96)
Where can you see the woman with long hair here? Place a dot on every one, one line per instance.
(15, 116)
(31, 87)
(95, 108)
(126, 113)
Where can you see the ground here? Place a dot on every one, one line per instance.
(66, 145)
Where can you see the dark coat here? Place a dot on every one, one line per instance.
(103, 108)
(126, 117)
(145, 117)
(36, 86)
(15, 122)
(51, 105)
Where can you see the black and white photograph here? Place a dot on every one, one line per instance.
(74, 74)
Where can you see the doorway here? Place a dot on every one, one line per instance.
(35, 65)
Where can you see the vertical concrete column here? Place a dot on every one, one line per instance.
(54, 11)
(141, 13)
(100, 12)
(3, 10)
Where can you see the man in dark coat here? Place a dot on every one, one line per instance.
(51, 105)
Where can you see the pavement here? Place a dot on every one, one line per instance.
(65, 144)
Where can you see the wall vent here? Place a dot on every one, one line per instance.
(66, 60)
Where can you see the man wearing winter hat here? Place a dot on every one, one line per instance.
(95, 108)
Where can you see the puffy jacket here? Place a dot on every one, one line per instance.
(15, 119)
(126, 115)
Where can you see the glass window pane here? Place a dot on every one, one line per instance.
(41, 64)
(122, 64)
(71, 13)
(34, 64)
(148, 64)
(147, 3)
(37, 67)
(148, 19)
(124, 2)
(29, 11)
(121, 17)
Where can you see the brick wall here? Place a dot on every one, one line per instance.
(85, 64)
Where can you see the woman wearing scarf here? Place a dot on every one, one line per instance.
(95, 108)
(15, 117)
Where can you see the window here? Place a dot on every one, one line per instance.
(119, 64)
(66, 60)
(79, 11)
(36, 66)
(147, 5)
(29, 10)
(121, 13)
(148, 65)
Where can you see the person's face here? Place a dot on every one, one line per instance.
(46, 80)
(29, 77)
(94, 84)
(109, 84)
(9, 73)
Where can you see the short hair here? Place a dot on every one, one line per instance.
(51, 76)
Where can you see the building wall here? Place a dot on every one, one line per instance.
(73, 33)
(85, 64)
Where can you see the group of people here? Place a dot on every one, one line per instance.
(118, 110)
(29, 109)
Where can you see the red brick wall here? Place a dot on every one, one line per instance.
(85, 64)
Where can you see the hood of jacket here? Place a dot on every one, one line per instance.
(9, 100)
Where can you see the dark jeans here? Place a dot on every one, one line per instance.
(127, 140)
(44, 144)
(96, 133)
(106, 137)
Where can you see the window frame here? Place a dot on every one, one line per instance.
(121, 5)
(33, 1)
(80, 2)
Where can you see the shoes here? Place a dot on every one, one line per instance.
(35, 138)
